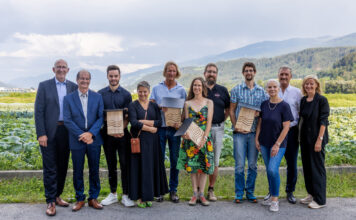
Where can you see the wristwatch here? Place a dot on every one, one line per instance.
(278, 144)
(321, 138)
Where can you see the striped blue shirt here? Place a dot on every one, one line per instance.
(242, 94)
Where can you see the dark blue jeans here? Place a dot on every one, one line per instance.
(78, 158)
(291, 156)
(167, 133)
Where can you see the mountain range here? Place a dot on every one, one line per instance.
(266, 54)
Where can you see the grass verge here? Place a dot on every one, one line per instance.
(32, 191)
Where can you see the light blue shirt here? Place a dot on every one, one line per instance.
(84, 100)
(254, 97)
(61, 91)
(161, 90)
(292, 96)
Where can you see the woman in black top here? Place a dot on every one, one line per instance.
(147, 173)
(313, 122)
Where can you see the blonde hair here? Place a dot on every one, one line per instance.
(315, 78)
(169, 63)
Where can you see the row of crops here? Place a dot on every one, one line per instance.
(19, 148)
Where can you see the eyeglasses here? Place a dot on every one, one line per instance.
(251, 71)
(81, 78)
(61, 67)
(211, 71)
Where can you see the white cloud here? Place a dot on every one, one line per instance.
(124, 67)
(76, 44)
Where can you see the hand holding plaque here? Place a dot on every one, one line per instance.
(193, 131)
(172, 109)
(115, 122)
(246, 117)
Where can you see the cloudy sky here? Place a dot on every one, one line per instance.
(140, 33)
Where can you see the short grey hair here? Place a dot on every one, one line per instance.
(144, 84)
(83, 71)
(285, 68)
(59, 60)
(272, 80)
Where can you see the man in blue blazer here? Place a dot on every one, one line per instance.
(83, 117)
(52, 135)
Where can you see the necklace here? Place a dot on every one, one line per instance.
(269, 106)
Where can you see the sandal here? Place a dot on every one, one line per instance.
(141, 204)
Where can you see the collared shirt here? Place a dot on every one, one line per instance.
(84, 100)
(161, 90)
(61, 91)
(242, 94)
(221, 99)
(118, 99)
(292, 96)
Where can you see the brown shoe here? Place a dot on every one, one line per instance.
(51, 209)
(78, 205)
(94, 203)
(61, 202)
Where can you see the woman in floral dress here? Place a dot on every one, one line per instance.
(198, 160)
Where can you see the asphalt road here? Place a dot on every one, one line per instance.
(337, 209)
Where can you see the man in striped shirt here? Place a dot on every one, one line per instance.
(250, 94)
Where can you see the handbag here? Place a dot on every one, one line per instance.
(135, 142)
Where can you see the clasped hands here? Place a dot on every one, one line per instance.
(86, 137)
(201, 143)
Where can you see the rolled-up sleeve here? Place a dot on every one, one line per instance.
(324, 111)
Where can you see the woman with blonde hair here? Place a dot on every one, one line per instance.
(313, 123)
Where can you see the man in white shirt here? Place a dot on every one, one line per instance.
(292, 96)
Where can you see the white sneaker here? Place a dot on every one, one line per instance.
(307, 199)
(314, 205)
(126, 201)
(274, 206)
(267, 202)
(110, 199)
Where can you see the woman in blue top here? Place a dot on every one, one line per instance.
(272, 129)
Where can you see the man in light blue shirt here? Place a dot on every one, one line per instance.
(250, 94)
(169, 88)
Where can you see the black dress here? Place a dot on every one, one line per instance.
(147, 172)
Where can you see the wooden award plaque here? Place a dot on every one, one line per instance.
(245, 119)
(172, 116)
(115, 121)
(195, 133)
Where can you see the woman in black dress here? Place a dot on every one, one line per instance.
(147, 173)
(313, 124)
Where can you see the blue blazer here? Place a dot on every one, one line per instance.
(47, 107)
(74, 120)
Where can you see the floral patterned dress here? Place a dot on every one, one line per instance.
(191, 158)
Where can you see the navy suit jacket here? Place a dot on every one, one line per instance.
(74, 119)
(47, 107)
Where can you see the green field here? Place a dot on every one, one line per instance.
(32, 190)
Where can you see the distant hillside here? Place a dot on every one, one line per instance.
(344, 69)
(309, 61)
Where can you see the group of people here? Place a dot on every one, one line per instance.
(72, 118)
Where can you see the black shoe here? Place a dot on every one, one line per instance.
(291, 199)
(159, 199)
(267, 197)
(174, 197)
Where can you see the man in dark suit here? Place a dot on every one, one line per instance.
(52, 135)
(83, 117)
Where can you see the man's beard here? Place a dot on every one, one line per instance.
(211, 81)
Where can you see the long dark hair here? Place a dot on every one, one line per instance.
(204, 91)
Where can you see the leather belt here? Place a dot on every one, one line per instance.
(60, 123)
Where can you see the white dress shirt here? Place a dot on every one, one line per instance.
(292, 96)
(84, 100)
